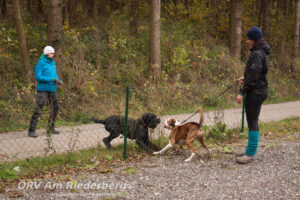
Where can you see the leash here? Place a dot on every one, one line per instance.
(223, 92)
(70, 93)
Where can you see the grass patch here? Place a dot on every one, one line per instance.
(97, 159)
(281, 100)
(281, 128)
(129, 171)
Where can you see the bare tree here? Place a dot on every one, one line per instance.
(236, 27)
(188, 4)
(3, 9)
(113, 4)
(296, 29)
(134, 16)
(264, 17)
(22, 40)
(90, 6)
(54, 19)
(154, 55)
(101, 6)
(95, 7)
(36, 9)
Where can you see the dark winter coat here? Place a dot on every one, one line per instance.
(255, 75)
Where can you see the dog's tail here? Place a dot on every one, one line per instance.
(98, 120)
(200, 110)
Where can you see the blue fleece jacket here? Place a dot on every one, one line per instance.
(45, 73)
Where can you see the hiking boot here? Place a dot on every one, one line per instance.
(240, 154)
(32, 134)
(245, 159)
(53, 131)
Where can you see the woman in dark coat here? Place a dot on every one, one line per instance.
(255, 89)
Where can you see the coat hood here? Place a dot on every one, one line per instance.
(46, 59)
(266, 48)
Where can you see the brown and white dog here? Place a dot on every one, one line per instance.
(186, 133)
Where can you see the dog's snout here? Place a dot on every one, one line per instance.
(158, 120)
(166, 123)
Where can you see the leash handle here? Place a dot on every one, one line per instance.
(243, 113)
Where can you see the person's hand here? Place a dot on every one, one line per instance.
(240, 80)
(57, 82)
(239, 99)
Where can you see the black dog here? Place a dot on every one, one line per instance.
(137, 129)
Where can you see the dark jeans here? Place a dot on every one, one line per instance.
(41, 98)
(253, 104)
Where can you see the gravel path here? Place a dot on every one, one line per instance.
(274, 175)
(16, 145)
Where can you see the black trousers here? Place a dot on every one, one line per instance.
(41, 98)
(253, 104)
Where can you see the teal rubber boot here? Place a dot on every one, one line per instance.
(253, 138)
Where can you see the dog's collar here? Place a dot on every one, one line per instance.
(142, 122)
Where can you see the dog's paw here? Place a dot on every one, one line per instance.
(187, 160)
(156, 152)
(207, 156)
(179, 151)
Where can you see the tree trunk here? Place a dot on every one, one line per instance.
(188, 5)
(296, 29)
(235, 27)
(113, 4)
(283, 55)
(265, 14)
(89, 7)
(175, 2)
(3, 8)
(36, 9)
(25, 4)
(22, 40)
(54, 19)
(101, 6)
(134, 16)
(72, 15)
(95, 8)
(65, 13)
(258, 9)
(154, 55)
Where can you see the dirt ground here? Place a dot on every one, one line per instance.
(275, 174)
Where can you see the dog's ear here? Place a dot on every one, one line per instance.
(146, 118)
(171, 122)
(150, 118)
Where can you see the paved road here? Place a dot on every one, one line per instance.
(16, 145)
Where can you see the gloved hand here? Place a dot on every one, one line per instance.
(57, 82)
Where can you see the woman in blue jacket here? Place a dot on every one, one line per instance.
(255, 89)
(46, 76)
